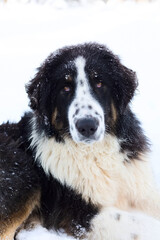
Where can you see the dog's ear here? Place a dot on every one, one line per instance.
(124, 87)
(38, 89)
(124, 82)
(33, 91)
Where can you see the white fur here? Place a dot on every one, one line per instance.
(100, 173)
(110, 224)
(114, 224)
(82, 100)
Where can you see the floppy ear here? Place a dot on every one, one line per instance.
(38, 89)
(33, 91)
(123, 80)
(124, 85)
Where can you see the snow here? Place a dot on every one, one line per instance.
(42, 234)
(30, 32)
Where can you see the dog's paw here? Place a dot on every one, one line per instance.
(114, 224)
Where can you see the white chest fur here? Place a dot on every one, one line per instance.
(98, 171)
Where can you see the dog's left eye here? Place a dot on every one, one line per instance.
(95, 77)
(99, 84)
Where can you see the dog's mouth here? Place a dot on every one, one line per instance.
(87, 130)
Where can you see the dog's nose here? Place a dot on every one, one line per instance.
(87, 126)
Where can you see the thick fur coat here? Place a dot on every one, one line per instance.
(79, 160)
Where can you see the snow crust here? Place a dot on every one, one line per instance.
(41, 233)
(30, 32)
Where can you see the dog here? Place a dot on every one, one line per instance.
(79, 160)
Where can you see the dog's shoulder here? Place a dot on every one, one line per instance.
(16, 135)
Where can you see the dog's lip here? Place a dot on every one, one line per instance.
(88, 140)
(92, 139)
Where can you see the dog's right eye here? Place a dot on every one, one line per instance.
(67, 89)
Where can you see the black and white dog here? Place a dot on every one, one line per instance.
(78, 161)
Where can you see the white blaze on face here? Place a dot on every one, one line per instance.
(85, 106)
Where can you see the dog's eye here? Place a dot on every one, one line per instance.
(67, 89)
(99, 84)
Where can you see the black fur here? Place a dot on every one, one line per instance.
(20, 175)
(62, 207)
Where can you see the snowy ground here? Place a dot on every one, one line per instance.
(28, 33)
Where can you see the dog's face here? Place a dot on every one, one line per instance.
(85, 112)
(81, 91)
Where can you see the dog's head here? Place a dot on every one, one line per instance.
(81, 91)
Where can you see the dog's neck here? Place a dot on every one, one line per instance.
(91, 170)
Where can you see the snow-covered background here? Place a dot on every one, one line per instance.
(29, 32)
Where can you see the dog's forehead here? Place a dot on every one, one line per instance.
(80, 63)
(73, 68)
(76, 66)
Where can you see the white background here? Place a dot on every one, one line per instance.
(30, 32)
